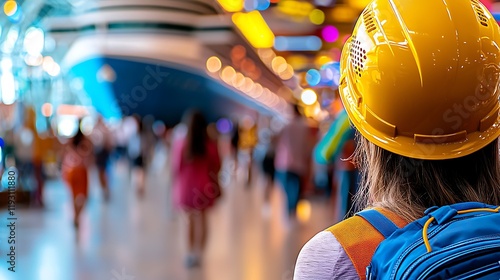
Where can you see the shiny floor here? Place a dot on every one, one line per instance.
(132, 238)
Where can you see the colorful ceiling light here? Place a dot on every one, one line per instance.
(224, 126)
(297, 43)
(330, 74)
(344, 13)
(260, 5)
(320, 60)
(288, 73)
(330, 33)
(279, 64)
(34, 41)
(13, 11)
(47, 110)
(255, 29)
(297, 61)
(231, 5)
(326, 3)
(359, 4)
(238, 52)
(227, 74)
(213, 64)
(317, 16)
(313, 77)
(10, 8)
(295, 8)
(308, 97)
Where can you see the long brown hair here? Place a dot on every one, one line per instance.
(197, 135)
(408, 186)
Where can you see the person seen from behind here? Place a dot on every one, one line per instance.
(195, 165)
(292, 158)
(138, 151)
(102, 140)
(423, 96)
(77, 155)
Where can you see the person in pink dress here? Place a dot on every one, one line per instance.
(195, 165)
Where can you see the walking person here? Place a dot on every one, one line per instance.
(75, 165)
(195, 164)
(139, 151)
(269, 171)
(292, 159)
(103, 145)
(424, 99)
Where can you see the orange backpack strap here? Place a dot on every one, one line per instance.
(360, 239)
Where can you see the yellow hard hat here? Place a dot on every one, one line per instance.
(420, 78)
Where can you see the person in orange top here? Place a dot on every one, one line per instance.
(76, 160)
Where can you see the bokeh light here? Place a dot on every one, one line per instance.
(279, 64)
(47, 110)
(330, 33)
(322, 59)
(10, 8)
(231, 5)
(303, 210)
(346, 37)
(358, 4)
(67, 126)
(257, 90)
(238, 80)
(248, 85)
(313, 77)
(54, 70)
(288, 73)
(224, 126)
(308, 97)
(227, 74)
(238, 52)
(297, 43)
(213, 64)
(331, 72)
(247, 65)
(34, 41)
(260, 5)
(13, 11)
(254, 28)
(326, 3)
(8, 86)
(317, 16)
(159, 128)
(48, 61)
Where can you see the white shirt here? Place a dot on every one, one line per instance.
(323, 258)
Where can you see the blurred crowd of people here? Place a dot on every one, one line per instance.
(279, 152)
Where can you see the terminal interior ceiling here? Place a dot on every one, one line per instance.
(126, 57)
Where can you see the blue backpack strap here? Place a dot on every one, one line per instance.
(380, 222)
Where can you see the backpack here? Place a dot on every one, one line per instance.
(459, 241)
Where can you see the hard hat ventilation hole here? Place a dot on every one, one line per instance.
(369, 21)
(358, 56)
(481, 16)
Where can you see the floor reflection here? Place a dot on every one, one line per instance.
(144, 238)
